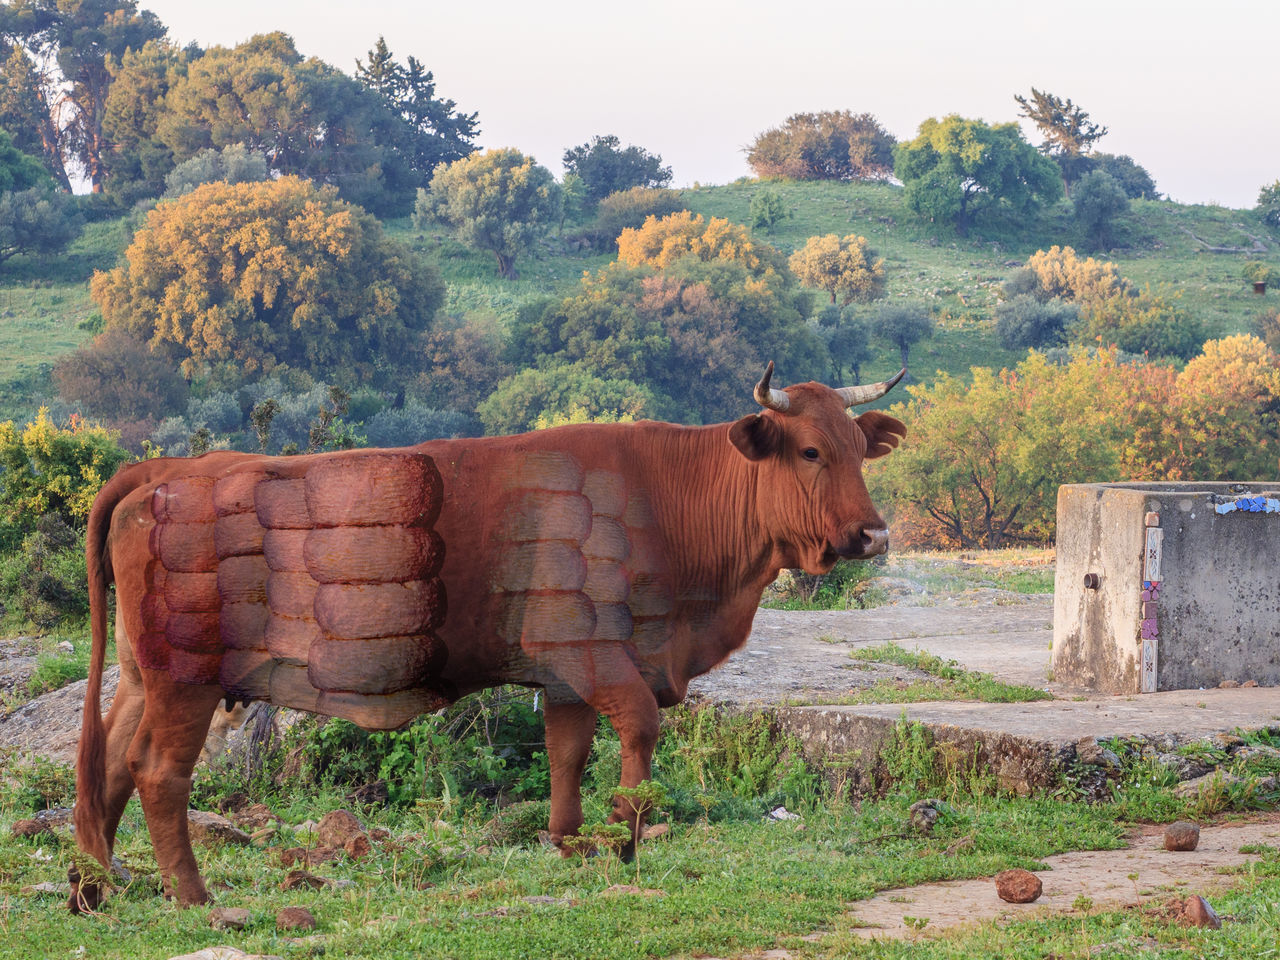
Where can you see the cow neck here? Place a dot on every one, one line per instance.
(704, 497)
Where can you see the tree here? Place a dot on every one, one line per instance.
(18, 171)
(39, 220)
(1059, 273)
(141, 79)
(306, 117)
(848, 343)
(1268, 207)
(661, 242)
(629, 209)
(846, 268)
(499, 200)
(904, 325)
(26, 95)
(956, 169)
(252, 276)
(118, 378)
(1026, 322)
(564, 391)
(1097, 201)
(436, 131)
(234, 163)
(1069, 135)
(79, 37)
(47, 469)
(767, 208)
(832, 145)
(606, 167)
(1131, 176)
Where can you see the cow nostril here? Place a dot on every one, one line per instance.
(874, 540)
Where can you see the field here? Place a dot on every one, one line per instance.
(43, 303)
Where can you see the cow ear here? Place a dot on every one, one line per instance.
(883, 432)
(756, 436)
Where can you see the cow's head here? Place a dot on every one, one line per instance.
(809, 450)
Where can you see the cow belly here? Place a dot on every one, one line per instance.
(319, 592)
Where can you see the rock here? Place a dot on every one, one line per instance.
(1181, 836)
(29, 828)
(1256, 751)
(295, 918)
(224, 953)
(1092, 753)
(624, 889)
(924, 814)
(358, 847)
(66, 646)
(379, 834)
(655, 830)
(255, 816)
(229, 918)
(1228, 684)
(337, 827)
(1196, 912)
(1018, 886)
(302, 880)
(1192, 788)
(49, 725)
(1186, 768)
(1249, 683)
(210, 828)
(309, 855)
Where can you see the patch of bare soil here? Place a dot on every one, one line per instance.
(1109, 879)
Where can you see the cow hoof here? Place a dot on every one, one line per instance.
(86, 895)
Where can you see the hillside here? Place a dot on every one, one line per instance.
(42, 303)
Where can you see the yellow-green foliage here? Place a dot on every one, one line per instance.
(258, 275)
(45, 468)
(1061, 273)
(846, 268)
(984, 460)
(659, 243)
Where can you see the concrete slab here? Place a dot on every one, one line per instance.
(796, 665)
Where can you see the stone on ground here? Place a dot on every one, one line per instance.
(1018, 886)
(1181, 836)
(1196, 912)
(295, 918)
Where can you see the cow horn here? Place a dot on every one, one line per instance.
(769, 398)
(865, 393)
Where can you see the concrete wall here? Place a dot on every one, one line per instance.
(1216, 613)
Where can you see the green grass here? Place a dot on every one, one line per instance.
(953, 681)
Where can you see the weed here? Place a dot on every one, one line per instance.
(957, 683)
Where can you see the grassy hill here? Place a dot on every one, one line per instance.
(43, 302)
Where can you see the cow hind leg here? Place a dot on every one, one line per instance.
(161, 757)
(120, 726)
(569, 730)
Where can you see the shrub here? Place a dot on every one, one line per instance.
(1268, 207)
(831, 145)
(39, 220)
(846, 268)
(767, 208)
(234, 163)
(46, 469)
(415, 422)
(1059, 272)
(628, 209)
(1027, 322)
(118, 378)
(45, 582)
(1098, 199)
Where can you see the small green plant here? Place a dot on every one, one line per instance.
(766, 209)
(1256, 271)
(909, 758)
(956, 682)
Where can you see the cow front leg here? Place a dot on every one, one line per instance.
(164, 751)
(570, 728)
(633, 712)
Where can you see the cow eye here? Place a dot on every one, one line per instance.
(811, 453)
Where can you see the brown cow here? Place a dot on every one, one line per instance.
(606, 564)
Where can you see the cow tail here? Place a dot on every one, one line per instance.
(91, 757)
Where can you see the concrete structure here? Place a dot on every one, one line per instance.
(1166, 586)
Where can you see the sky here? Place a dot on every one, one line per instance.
(1188, 89)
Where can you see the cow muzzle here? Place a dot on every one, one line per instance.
(863, 542)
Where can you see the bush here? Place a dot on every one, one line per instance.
(1132, 176)
(1098, 199)
(45, 582)
(767, 208)
(220, 412)
(1027, 322)
(38, 221)
(119, 378)
(629, 209)
(415, 422)
(832, 145)
(1268, 207)
(234, 163)
(46, 469)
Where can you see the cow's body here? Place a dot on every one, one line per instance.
(607, 564)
